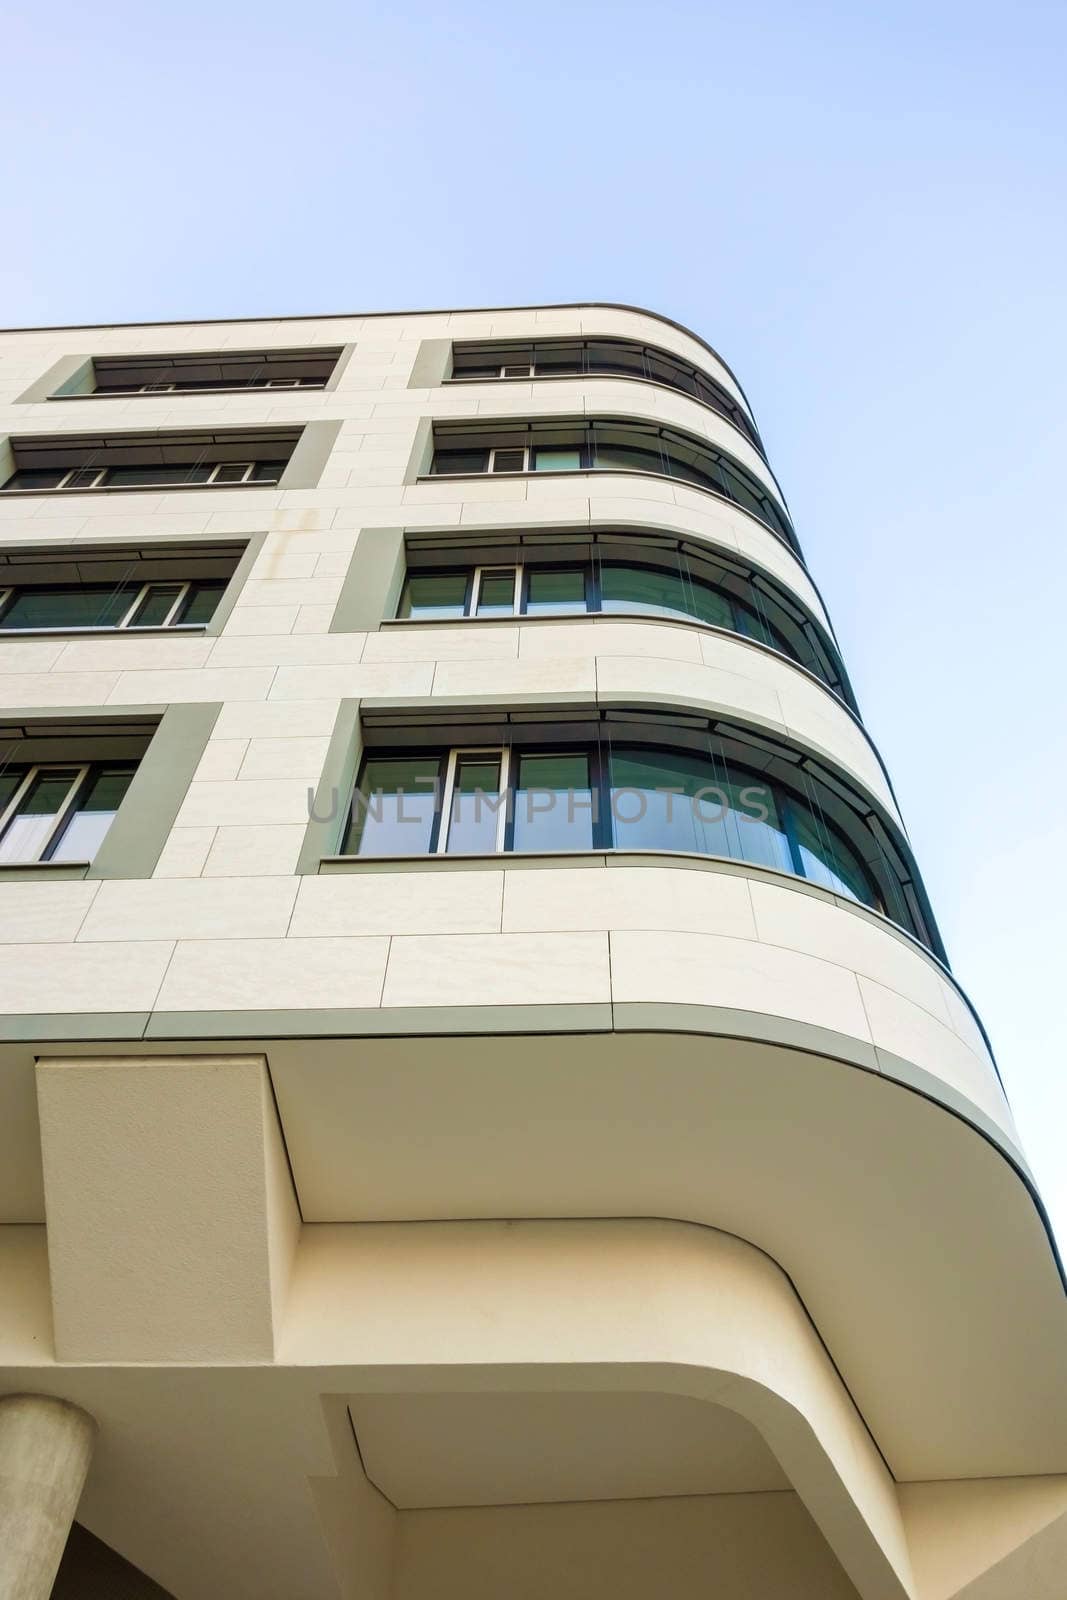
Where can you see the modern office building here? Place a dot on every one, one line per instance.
(484, 1107)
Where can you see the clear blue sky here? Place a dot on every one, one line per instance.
(862, 207)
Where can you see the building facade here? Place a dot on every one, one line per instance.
(484, 1107)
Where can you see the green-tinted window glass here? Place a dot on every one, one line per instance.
(553, 803)
(553, 460)
(68, 606)
(200, 604)
(155, 607)
(26, 833)
(394, 806)
(555, 592)
(434, 594)
(476, 805)
(92, 815)
(679, 800)
(828, 859)
(496, 593)
(460, 461)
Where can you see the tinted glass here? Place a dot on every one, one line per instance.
(200, 603)
(509, 460)
(93, 813)
(555, 593)
(627, 360)
(679, 800)
(496, 593)
(627, 458)
(137, 477)
(394, 806)
(35, 478)
(154, 609)
(434, 594)
(268, 471)
(827, 858)
(476, 805)
(553, 803)
(68, 606)
(231, 472)
(26, 833)
(461, 461)
(552, 460)
(642, 589)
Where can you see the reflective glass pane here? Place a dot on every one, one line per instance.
(231, 472)
(644, 589)
(679, 800)
(626, 360)
(557, 360)
(750, 623)
(446, 461)
(828, 859)
(154, 608)
(496, 593)
(68, 606)
(200, 603)
(83, 478)
(268, 471)
(10, 778)
(26, 834)
(476, 805)
(627, 458)
(164, 476)
(93, 813)
(394, 806)
(434, 594)
(509, 460)
(556, 593)
(552, 460)
(35, 478)
(553, 803)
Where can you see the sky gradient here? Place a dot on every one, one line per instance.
(862, 208)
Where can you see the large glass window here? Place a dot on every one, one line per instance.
(394, 809)
(58, 813)
(620, 588)
(624, 358)
(627, 796)
(68, 606)
(606, 445)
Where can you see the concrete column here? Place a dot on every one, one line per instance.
(45, 1447)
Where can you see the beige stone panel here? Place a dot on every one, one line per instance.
(56, 688)
(398, 902)
(43, 913)
(313, 619)
(274, 563)
(713, 687)
(703, 969)
(959, 1532)
(670, 899)
(466, 680)
(132, 652)
(245, 800)
(419, 642)
(274, 974)
(82, 977)
(448, 490)
(800, 921)
(214, 683)
(171, 1219)
(907, 1030)
(498, 970)
(817, 717)
(331, 649)
(573, 511)
(963, 1020)
(222, 759)
(190, 908)
(250, 719)
(379, 681)
(31, 655)
(583, 637)
(255, 849)
(289, 592)
(185, 852)
(236, 522)
(284, 758)
(334, 563)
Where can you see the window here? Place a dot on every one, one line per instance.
(199, 371)
(610, 587)
(624, 358)
(58, 812)
(78, 463)
(115, 587)
(631, 794)
(604, 445)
